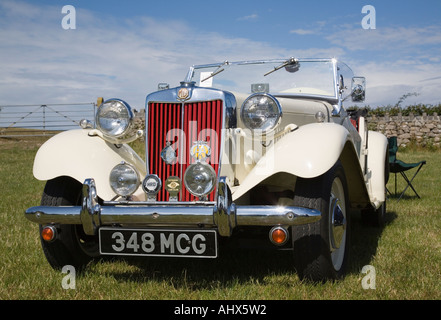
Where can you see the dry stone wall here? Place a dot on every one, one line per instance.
(424, 131)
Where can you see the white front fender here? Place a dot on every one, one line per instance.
(377, 167)
(76, 154)
(308, 152)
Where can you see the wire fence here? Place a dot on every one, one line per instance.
(44, 119)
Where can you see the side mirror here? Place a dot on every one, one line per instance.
(358, 89)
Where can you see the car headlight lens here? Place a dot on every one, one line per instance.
(200, 179)
(124, 179)
(114, 119)
(261, 112)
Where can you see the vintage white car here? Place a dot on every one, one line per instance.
(258, 149)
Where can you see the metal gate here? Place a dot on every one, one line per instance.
(44, 119)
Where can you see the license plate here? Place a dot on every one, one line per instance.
(158, 242)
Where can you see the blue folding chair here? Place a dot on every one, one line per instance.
(398, 166)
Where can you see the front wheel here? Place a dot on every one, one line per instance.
(321, 249)
(71, 245)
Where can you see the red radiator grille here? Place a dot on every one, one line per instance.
(195, 121)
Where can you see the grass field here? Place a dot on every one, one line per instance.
(406, 253)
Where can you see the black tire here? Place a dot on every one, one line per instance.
(321, 249)
(71, 246)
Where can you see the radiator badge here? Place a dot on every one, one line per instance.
(173, 185)
(183, 94)
(168, 154)
(200, 151)
(151, 185)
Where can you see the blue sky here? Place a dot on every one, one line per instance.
(124, 48)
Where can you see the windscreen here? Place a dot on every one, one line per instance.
(308, 77)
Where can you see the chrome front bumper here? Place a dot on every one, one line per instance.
(223, 214)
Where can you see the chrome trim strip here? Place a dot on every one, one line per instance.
(52, 215)
(272, 215)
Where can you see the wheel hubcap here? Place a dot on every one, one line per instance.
(337, 224)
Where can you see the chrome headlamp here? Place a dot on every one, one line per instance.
(124, 179)
(261, 111)
(200, 179)
(114, 119)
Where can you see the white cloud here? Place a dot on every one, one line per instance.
(302, 32)
(387, 81)
(389, 39)
(394, 61)
(253, 16)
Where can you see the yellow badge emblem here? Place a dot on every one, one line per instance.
(200, 150)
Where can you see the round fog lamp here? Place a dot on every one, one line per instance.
(200, 179)
(124, 179)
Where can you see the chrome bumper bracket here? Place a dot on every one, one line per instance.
(90, 209)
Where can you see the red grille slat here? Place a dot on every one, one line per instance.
(197, 121)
